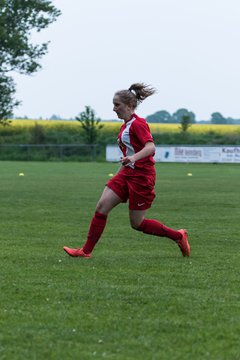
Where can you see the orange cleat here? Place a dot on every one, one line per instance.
(183, 243)
(76, 252)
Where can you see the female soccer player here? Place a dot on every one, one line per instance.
(136, 178)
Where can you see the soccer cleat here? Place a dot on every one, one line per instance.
(76, 252)
(183, 243)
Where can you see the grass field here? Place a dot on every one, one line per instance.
(137, 298)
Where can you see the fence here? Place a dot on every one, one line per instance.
(80, 152)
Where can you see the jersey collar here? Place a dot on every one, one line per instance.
(134, 116)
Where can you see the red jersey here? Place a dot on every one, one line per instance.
(132, 138)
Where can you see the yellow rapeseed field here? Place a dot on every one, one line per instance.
(196, 128)
(45, 123)
(155, 128)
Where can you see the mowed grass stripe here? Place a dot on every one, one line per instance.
(137, 298)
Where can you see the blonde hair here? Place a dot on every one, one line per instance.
(135, 94)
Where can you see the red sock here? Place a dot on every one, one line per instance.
(95, 231)
(154, 227)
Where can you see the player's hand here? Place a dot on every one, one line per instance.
(127, 160)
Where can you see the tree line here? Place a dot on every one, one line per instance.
(164, 116)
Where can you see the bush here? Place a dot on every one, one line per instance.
(37, 134)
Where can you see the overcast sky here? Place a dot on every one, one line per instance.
(188, 49)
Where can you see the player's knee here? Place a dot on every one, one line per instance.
(135, 224)
(101, 207)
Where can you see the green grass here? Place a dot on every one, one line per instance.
(137, 298)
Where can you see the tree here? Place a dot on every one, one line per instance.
(90, 124)
(177, 116)
(38, 135)
(161, 116)
(6, 99)
(217, 118)
(18, 19)
(55, 117)
(185, 123)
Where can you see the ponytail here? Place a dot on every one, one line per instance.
(135, 94)
(141, 91)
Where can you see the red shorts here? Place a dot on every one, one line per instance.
(135, 186)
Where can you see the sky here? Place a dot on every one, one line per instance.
(187, 49)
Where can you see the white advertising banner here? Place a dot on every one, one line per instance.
(230, 154)
(187, 154)
(113, 153)
(196, 154)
